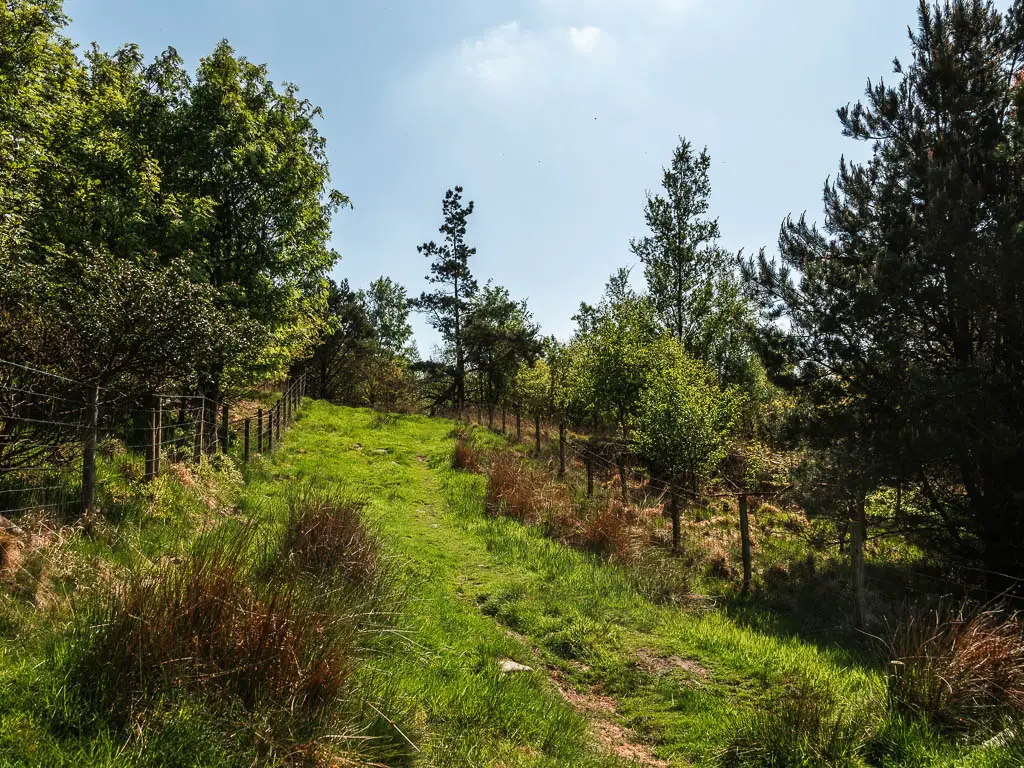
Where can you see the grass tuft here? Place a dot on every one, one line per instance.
(958, 667)
(325, 537)
(807, 724)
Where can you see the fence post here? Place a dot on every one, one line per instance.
(198, 447)
(673, 507)
(153, 439)
(259, 430)
(745, 543)
(857, 534)
(504, 418)
(561, 450)
(622, 476)
(590, 477)
(277, 422)
(245, 442)
(225, 438)
(89, 451)
(536, 427)
(287, 400)
(270, 431)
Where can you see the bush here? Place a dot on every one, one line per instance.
(958, 667)
(610, 532)
(807, 725)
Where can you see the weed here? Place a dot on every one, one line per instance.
(199, 626)
(516, 490)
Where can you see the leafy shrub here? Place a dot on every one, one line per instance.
(957, 666)
(807, 725)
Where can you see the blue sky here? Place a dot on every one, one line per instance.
(555, 115)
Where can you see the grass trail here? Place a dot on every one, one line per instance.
(489, 589)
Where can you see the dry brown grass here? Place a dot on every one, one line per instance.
(516, 490)
(465, 456)
(201, 626)
(958, 666)
(612, 531)
(325, 536)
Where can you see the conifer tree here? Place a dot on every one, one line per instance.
(447, 308)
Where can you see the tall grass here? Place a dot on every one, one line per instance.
(325, 537)
(958, 666)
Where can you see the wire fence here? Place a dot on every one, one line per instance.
(52, 428)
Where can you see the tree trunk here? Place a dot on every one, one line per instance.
(745, 543)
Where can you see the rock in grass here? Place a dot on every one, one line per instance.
(508, 667)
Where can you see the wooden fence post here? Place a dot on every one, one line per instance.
(245, 442)
(745, 543)
(673, 508)
(259, 430)
(198, 447)
(277, 422)
(590, 477)
(153, 431)
(270, 431)
(89, 451)
(857, 535)
(561, 450)
(287, 400)
(225, 437)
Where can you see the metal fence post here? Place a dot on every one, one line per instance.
(197, 448)
(153, 432)
(225, 437)
(245, 442)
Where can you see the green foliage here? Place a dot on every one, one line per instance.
(612, 358)
(900, 320)
(202, 203)
(499, 336)
(685, 420)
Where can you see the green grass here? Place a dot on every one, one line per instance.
(687, 684)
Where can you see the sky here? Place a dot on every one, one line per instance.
(556, 116)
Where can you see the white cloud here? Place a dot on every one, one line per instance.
(504, 56)
(557, 51)
(586, 39)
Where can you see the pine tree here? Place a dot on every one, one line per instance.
(680, 256)
(904, 318)
(448, 307)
